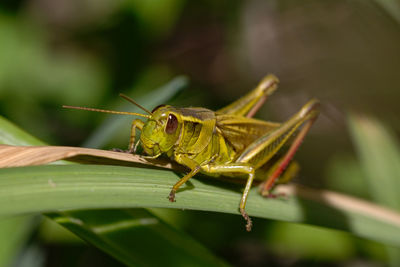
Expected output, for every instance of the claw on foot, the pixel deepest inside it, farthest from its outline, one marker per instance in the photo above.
(249, 223)
(268, 194)
(171, 196)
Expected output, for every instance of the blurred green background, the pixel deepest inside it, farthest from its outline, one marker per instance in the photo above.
(84, 53)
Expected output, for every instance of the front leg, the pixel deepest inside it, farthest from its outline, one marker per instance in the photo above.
(183, 180)
(135, 124)
(194, 169)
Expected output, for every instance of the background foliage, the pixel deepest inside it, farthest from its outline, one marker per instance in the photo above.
(86, 52)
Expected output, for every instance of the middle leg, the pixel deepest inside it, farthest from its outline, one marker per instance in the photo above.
(241, 168)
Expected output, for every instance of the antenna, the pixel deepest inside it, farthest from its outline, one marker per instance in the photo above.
(134, 102)
(108, 111)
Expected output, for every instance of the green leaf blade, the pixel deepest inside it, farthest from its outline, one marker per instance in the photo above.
(51, 188)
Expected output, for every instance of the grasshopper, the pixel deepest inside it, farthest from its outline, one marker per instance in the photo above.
(227, 142)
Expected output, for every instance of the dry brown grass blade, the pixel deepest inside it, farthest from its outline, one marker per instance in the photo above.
(18, 156)
(341, 202)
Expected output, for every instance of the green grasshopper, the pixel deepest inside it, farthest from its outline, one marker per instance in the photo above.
(225, 142)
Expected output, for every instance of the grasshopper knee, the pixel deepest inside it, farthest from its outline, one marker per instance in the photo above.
(311, 107)
(268, 84)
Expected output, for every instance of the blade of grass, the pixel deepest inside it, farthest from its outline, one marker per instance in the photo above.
(379, 153)
(18, 156)
(59, 187)
(135, 236)
(10, 134)
(392, 7)
(14, 231)
(380, 158)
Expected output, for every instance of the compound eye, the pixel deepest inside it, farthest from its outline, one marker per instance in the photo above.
(172, 124)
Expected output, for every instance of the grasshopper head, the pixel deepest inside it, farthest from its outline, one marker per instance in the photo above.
(161, 131)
